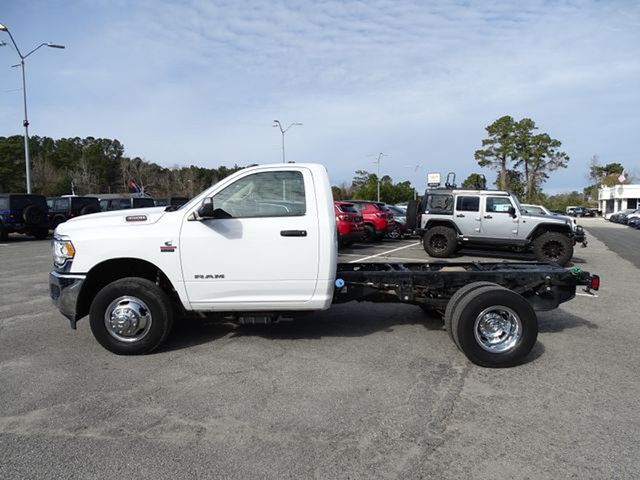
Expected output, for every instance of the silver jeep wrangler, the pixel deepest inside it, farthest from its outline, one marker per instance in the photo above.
(448, 218)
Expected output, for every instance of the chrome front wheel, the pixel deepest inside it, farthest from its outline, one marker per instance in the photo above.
(128, 319)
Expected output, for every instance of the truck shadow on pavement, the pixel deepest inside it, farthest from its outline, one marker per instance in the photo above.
(558, 320)
(342, 321)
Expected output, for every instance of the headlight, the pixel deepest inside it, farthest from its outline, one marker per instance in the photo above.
(62, 251)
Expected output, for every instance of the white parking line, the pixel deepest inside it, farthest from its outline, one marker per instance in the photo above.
(385, 253)
(586, 295)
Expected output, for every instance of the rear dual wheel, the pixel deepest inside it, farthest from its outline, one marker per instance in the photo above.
(493, 326)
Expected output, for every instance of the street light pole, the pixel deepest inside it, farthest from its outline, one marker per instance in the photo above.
(276, 123)
(380, 155)
(25, 123)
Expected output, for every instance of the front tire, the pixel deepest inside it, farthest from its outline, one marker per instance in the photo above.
(131, 316)
(494, 327)
(440, 242)
(553, 247)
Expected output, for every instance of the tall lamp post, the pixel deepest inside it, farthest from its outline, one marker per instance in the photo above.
(27, 156)
(380, 155)
(276, 123)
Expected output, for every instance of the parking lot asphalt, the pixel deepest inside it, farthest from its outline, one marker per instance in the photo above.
(359, 391)
(621, 239)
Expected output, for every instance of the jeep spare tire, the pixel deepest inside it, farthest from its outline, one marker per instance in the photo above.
(553, 247)
(87, 209)
(440, 242)
(32, 215)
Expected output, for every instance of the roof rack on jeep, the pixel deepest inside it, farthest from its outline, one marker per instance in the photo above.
(451, 180)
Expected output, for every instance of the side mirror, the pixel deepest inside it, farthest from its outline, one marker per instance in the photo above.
(206, 210)
(512, 212)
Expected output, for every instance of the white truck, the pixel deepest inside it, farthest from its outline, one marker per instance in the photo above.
(261, 245)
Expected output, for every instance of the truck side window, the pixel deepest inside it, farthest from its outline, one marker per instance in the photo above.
(498, 204)
(467, 204)
(264, 194)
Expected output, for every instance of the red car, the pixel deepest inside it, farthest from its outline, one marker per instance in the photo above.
(377, 219)
(349, 223)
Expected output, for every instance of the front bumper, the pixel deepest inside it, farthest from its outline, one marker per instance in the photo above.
(65, 289)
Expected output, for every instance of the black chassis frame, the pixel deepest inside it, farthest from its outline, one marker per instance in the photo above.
(543, 285)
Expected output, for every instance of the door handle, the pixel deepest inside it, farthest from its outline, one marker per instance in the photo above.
(460, 215)
(488, 216)
(293, 233)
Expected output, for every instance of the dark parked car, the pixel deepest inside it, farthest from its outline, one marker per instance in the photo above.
(170, 201)
(121, 203)
(62, 209)
(398, 228)
(582, 212)
(634, 222)
(23, 213)
(621, 216)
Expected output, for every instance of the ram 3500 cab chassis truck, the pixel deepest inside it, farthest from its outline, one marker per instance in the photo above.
(261, 245)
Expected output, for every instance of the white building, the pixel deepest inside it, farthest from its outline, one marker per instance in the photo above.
(616, 198)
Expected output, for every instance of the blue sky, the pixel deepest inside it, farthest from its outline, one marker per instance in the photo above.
(200, 81)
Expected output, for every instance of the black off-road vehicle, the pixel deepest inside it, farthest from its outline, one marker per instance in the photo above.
(62, 209)
(23, 213)
(108, 203)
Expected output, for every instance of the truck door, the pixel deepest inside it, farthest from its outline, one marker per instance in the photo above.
(262, 249)
(467, 215)
(496, 220)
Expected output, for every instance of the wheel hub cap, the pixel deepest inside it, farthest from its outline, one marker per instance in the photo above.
(128, 319)
(497, 329)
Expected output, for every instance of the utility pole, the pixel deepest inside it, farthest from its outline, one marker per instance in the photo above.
(380, 155)
(25, 122)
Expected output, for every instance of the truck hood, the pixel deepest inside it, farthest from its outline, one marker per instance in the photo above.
(115, 218)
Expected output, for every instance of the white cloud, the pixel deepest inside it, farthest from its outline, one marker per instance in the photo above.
(199, 81)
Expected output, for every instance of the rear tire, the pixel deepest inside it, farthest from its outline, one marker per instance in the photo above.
(4, 235)
(455, 299)
(553, 247)
(412, 215)
(440, 242)
(369, 234)
(131, 316)
(495, 327)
